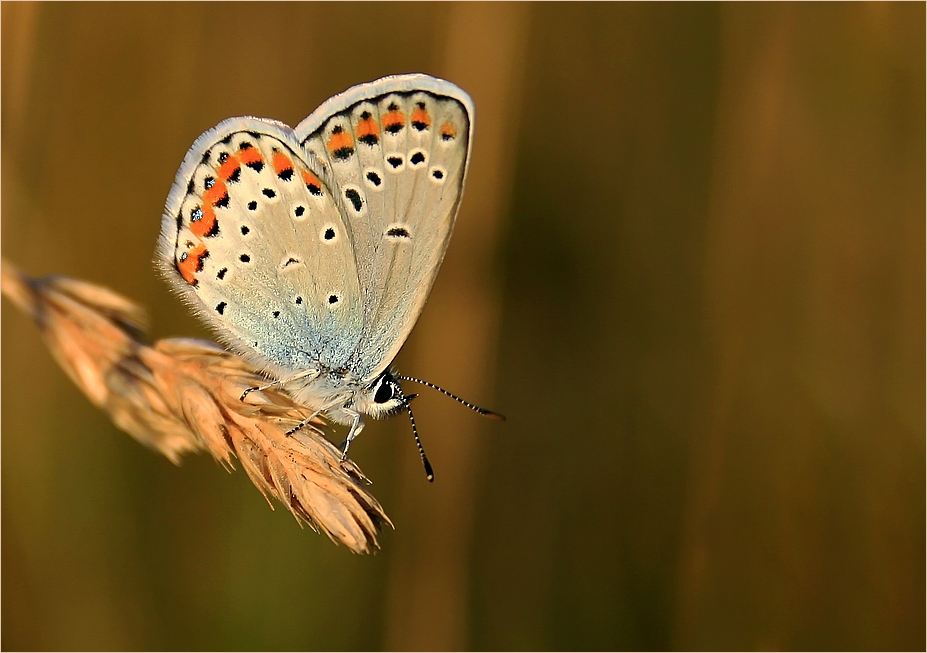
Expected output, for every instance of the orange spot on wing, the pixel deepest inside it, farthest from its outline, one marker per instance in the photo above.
(205, 225)
(227, 169)
(311, 179)
(420, 117)
(448, 131)
(367, 127)
(339, 142)
(192, 262)
(216, 193)
(393, 121)
(250, 155)
(312, 183)
(281, 162)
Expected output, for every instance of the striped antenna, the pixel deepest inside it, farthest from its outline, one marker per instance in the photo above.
(429, 473)
(481, 411)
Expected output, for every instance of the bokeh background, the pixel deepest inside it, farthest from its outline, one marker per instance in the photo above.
(689, 267)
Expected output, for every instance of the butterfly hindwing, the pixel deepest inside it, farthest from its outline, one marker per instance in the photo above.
(255, 241)
(397, 152)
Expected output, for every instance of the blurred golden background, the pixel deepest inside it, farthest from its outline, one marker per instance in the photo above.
(689, 268)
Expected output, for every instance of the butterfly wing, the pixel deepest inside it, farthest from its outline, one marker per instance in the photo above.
(397, 151)
(253, 238)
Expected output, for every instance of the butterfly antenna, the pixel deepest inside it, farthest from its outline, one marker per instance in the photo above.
(429, 473)
(481, 411)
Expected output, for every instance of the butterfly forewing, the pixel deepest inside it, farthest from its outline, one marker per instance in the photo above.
(398, 159)
(255, 239)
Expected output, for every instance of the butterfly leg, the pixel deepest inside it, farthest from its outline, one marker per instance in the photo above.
(356, 427)
(302, 423)
(261, 388)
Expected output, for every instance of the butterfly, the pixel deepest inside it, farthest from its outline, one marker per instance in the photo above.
(312, 251)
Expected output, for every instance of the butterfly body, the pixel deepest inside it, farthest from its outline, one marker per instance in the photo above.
(311, 251)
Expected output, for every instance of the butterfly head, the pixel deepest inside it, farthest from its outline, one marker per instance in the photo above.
(383, 397)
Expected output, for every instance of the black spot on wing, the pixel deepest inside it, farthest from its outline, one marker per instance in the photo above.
(398, 232)
(343, 153)
(354, 198)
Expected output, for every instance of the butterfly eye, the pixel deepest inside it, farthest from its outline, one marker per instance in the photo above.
(384, 393)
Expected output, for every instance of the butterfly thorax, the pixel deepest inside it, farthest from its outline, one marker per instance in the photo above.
(340, 395)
